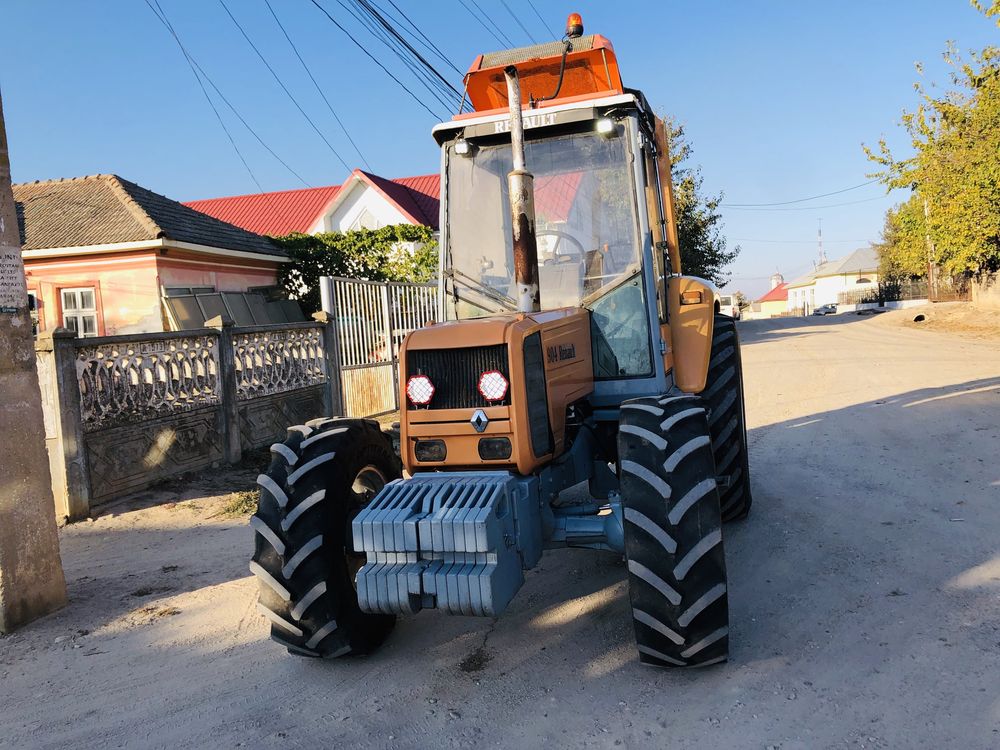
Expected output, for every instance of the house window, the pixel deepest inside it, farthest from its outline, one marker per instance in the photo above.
(33, 312)
(366, 220)
(80, 311)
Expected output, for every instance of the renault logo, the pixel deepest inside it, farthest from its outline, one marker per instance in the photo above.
(479, 420)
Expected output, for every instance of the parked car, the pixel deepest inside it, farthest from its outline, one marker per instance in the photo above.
(825, 310)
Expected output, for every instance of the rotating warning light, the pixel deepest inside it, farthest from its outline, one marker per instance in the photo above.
(493, 385)
(420, 390)
(574, 26)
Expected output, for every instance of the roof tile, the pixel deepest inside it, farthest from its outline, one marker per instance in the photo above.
(104, 209)
(276, 214)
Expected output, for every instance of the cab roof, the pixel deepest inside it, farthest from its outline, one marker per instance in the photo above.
(591, 73)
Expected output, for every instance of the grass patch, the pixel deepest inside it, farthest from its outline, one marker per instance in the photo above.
(240, 504)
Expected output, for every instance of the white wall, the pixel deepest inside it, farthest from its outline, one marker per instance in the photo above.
(362, 204)
(828, 287)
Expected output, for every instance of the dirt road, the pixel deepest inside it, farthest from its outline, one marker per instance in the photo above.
(864, 589)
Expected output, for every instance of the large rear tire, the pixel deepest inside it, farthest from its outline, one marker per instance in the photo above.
(319, 478)
(673, 532)
(727, 419)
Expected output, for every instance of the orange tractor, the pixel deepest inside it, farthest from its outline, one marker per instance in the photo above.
(571, 350)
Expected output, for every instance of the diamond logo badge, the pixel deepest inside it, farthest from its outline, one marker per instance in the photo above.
(479, 420)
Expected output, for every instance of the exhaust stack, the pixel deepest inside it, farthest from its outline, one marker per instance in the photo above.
(520, 184)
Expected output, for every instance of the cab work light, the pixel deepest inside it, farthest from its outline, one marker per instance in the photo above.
(691, 298)
(420, 390)
(493, 385)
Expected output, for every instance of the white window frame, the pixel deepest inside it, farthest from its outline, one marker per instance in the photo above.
(79, 313)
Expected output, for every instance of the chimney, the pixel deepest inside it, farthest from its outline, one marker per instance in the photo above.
(776, 279)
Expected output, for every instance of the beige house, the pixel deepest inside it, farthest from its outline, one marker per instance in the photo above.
(857, 271)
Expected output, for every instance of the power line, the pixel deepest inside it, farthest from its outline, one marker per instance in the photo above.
(798, 200)
(518, 22)
(544, 25)
(375, 60)
(284, 87)
(427, 42)
(799, 242)
(196, 70)
(380, 19)
(505, 42)
(433, 85)
(316, 84)
(808, 208)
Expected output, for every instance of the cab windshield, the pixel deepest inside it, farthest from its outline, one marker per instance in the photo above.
(584, 223)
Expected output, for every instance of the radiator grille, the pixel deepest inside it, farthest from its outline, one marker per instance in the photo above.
(455, 374)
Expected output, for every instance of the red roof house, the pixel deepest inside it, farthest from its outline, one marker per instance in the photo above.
(778, 294)
(364, 200)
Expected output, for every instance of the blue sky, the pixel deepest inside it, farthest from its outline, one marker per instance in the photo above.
(776, 97)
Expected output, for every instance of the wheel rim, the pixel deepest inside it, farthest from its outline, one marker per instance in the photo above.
(368, 482)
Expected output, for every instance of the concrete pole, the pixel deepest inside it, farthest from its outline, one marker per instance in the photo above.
(31, 574)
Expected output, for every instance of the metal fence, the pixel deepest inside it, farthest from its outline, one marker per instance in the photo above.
(372, 319)
(885, 291)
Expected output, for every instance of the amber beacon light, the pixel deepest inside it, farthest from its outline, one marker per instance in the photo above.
(574, 26)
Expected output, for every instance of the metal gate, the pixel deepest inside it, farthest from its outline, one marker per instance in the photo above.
(372, 318)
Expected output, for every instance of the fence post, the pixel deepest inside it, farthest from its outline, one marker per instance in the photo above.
(333, 396)
(227, 378)
(331, 343)
(61, 399)
(390, 344)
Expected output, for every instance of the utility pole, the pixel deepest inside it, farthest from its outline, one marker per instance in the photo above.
(31, 574)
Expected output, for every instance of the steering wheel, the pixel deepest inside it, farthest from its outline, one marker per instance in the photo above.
(563, 236)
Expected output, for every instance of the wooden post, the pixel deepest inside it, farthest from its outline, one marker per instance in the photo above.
(32, 583)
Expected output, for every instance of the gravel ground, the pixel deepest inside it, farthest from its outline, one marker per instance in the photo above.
(864, 593)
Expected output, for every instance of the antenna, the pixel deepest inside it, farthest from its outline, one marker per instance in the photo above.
(822, 255)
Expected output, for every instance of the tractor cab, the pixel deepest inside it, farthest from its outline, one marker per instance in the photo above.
(589, 149)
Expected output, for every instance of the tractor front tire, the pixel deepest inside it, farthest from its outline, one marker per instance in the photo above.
(673, 532)
(319, 478)
(727, 419)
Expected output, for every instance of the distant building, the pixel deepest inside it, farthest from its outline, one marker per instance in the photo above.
(363, 201)
(771, 305)
(105, 256)
(857, 271)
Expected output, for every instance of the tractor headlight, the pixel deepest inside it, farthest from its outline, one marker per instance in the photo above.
(493, 385)
(420, 390)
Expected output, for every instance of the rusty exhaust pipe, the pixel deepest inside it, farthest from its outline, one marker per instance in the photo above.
(520, 185)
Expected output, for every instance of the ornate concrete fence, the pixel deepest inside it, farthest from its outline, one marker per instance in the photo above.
(123, 412)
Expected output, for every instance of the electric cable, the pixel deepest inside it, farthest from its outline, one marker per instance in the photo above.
(494, 30)
(428, 44)
(374, 59)
(284, 87)
(806, 208)
(436, 84)
(319, 89)
(195, 70)
(539, 15)
(373, 11)
(798, 200)
(518, 22)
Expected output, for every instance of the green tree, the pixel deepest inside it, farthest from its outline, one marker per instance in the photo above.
(903, 249)
(383, 254)
(955, 167)
(704, 250)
